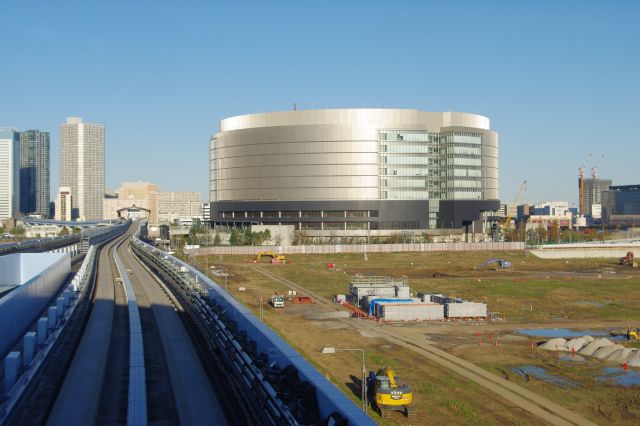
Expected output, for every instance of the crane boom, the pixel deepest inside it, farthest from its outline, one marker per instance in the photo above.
(594, 169)
(581, 181)
(507, 220)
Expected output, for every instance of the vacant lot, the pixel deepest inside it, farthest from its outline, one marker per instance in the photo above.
(579, 294)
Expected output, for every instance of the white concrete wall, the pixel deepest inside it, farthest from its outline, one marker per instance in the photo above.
(584, 251)
(40, 275)
(360, 248)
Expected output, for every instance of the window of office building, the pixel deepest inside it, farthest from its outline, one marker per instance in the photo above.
(356, 225)
(311, 214)
(290, 214)
(334, 226)
(333, 213)
(357, 213)
(316, 226)
(409, 164)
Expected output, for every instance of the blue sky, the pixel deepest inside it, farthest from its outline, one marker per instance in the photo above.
(558, 79)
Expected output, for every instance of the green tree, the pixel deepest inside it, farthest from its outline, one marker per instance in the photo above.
(554, 232)
(216, 240)
(235, 239)
(18, 231)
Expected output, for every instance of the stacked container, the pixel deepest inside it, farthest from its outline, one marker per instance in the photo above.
(414, 311)
(465, 309)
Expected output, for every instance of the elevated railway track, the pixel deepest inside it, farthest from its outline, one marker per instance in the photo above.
(144, 346)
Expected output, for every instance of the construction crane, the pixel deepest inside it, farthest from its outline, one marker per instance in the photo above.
(507, 220)
(581, 181)
(594, 169)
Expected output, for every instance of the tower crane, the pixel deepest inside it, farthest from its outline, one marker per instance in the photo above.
(594, 169)
(507, 220)
(581, 181)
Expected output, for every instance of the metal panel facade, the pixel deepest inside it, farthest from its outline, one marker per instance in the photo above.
(346, 155)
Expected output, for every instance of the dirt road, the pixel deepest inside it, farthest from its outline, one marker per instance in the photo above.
(541, 407)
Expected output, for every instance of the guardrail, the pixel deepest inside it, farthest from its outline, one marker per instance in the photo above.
(20, 366)
(92, 236)
(281, 385)
(137, 396)
(23, 364)
(40, 244)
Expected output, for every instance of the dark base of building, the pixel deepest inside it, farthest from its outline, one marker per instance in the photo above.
(338, 215)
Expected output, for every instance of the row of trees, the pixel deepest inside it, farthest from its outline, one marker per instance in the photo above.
(554, 234)
(247, 238)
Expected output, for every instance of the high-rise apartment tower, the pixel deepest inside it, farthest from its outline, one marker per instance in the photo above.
(34, 172)
(82, 166)
(9, 173)
(593, 189)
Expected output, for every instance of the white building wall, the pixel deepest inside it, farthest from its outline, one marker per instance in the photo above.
(173, 205)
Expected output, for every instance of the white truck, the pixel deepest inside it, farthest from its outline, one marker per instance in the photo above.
(277, 301)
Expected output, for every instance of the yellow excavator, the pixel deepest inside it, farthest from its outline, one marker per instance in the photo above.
(388, 394)
(279, 258)
(630, 334)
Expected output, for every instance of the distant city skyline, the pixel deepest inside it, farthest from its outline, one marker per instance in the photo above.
(557, 79)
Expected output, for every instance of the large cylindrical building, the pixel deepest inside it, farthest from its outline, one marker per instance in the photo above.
(350, 169)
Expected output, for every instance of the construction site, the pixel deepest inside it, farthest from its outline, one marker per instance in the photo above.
(468, 338)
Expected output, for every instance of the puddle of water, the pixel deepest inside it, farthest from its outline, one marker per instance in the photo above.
(570, 357)
(559, 332)
(618, 376)
(540, 373)
(619, 338)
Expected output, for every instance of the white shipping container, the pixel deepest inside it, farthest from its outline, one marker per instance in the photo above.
(410, 311)
(403, 292)
(465, 310)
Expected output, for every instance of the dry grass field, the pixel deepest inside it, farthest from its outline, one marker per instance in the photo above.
(577, 294)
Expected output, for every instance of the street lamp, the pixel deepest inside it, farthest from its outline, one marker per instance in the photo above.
(261, 305)
(332, 350)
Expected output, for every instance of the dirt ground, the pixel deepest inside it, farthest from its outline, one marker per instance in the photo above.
(596, 295)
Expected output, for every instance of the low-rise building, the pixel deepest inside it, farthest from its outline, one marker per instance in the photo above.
(139, 194)
(174, 205)
(545, 214)
(63, 204)
(621, 205)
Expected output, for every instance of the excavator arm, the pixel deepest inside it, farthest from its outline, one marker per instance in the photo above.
(392, 377)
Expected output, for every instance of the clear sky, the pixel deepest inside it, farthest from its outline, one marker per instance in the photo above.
(558, 79)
